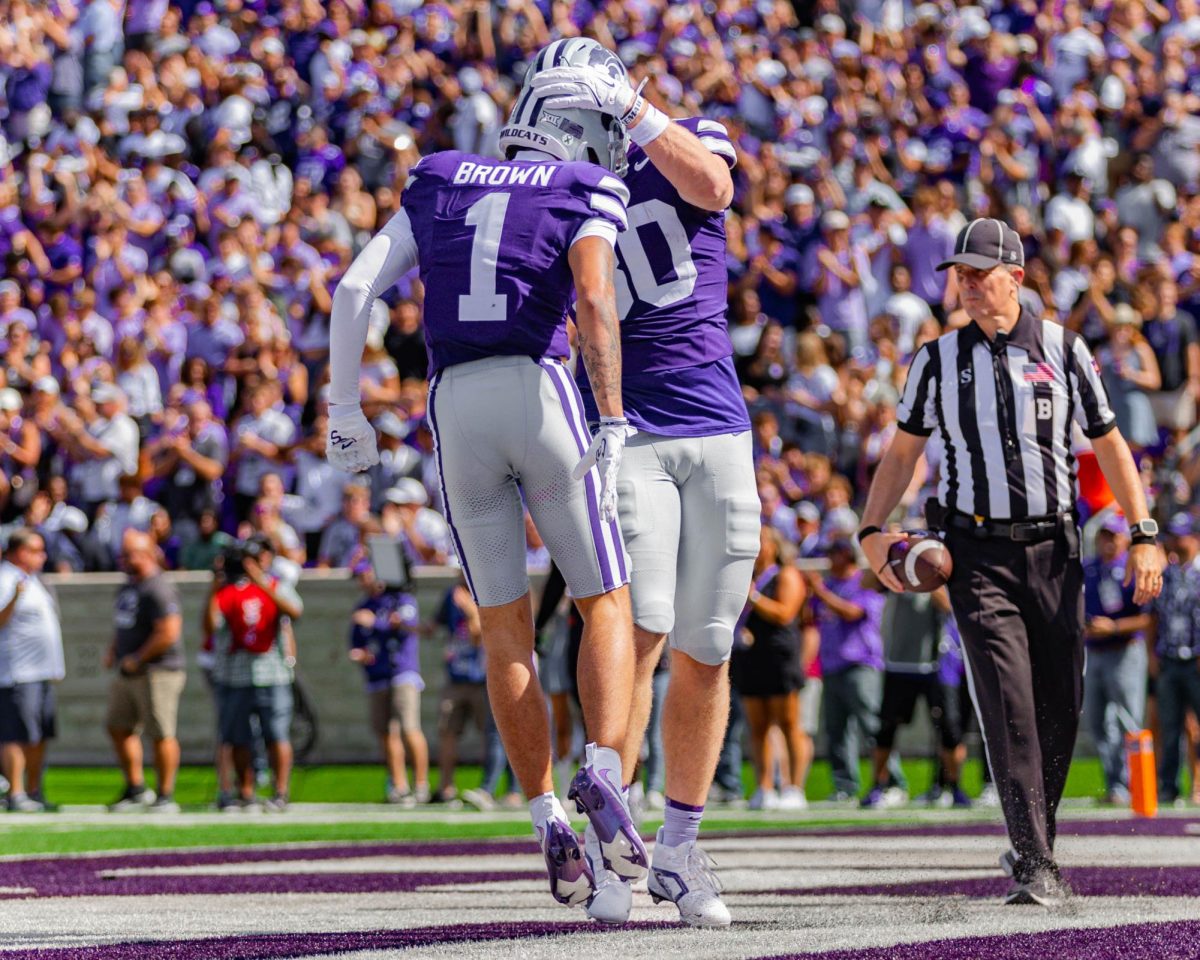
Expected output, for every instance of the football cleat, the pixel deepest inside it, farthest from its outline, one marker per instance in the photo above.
(570, 877)
(613, 899)
(684, 875)
(621, 849)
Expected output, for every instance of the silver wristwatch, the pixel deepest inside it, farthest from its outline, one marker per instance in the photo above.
(1144, 531)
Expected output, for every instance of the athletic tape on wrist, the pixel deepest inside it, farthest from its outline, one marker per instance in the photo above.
(650, 127)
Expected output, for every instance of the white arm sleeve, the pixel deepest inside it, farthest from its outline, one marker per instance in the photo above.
(597, 227)
(383, 261)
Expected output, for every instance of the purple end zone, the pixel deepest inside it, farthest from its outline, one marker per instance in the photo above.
(1179, 940)
(92, 876)
(272, 946)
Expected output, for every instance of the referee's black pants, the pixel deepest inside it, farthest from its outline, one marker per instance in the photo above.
(1019, 609)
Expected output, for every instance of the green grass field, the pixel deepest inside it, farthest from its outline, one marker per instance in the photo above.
(74, 786)
(197, 786)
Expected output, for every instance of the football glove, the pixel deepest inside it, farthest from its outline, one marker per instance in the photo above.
(350, 443)
(585, 88)
(605, 455)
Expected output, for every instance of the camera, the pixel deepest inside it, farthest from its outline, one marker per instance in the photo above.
(232, 558)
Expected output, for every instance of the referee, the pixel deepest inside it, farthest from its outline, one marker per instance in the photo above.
(1000, 396)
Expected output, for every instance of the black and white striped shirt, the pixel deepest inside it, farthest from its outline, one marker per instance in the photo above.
(1003, 412)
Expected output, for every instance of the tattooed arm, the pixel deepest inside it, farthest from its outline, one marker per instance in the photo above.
(592, 262)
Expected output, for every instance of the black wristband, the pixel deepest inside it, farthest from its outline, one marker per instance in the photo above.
(1142, 539)
(867, 532)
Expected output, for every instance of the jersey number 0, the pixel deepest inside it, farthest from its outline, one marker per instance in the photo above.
(637, 261)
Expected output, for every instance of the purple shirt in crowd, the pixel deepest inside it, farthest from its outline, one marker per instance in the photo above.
(493, 238)
(845, 644)
(928, 245)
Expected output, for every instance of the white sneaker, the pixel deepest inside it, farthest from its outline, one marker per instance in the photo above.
(636, 801)
(655, 800)
(613, 898)
(684, 875)
(479, 799)
(894, 797)
(764, 800)
(988, 796)
(793, 798)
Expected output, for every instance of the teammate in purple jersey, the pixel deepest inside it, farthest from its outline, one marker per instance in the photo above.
(688, 502)
(504, 248)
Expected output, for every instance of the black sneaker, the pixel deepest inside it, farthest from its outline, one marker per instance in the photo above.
(164, 804)
(1044, 887)
(41, 798)
(277, 803)
(133, 800)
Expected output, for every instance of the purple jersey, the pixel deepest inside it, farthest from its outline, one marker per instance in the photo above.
(492, 239)
(677, 377)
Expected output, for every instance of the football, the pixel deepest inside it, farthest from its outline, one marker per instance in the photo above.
(921, 563)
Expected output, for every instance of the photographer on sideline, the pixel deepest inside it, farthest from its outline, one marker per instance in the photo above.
(245, 612)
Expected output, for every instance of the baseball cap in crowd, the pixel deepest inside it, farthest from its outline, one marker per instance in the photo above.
(835, 220)
(986, 243)
(831, 23)
(9, 286)
(107, 393)
(10, 400)
(47, 385)
(835, 542)
(390, 424)
(1115, 524)
(807, 512)
(798, 193)
(407, 490)
(1180, 525)
(927, 13)
(72, 519)
(1125, 316)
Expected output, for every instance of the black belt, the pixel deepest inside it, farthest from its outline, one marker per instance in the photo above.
(1033, 530)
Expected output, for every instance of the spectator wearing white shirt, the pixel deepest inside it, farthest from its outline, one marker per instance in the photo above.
(1071, 212)
(259, 441)
(138, 378)
(318, 497)
(425, 532)
(103, 440)
(31, 661)
(1145, 204)
(103, 39)
(476, 121)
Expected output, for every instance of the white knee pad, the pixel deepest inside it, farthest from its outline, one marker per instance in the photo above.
(710, 643)
(654, 615)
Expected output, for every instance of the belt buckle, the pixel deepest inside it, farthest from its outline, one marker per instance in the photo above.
(1022, 532)
(980, 530)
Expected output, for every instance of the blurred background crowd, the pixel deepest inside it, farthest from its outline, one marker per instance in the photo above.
(183, 183)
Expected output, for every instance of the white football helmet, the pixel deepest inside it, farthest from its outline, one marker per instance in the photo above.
(568, 134)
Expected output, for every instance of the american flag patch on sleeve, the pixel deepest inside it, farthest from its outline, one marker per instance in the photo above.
(1038, 373)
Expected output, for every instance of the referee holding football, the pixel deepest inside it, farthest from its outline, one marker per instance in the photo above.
(1001, 395)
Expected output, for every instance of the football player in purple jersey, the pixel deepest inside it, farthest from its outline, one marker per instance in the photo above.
(504, 248)
(688, 502)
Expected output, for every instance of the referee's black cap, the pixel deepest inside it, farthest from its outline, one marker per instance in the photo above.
(986, 243)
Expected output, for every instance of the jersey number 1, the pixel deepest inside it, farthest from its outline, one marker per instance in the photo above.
(482, 304)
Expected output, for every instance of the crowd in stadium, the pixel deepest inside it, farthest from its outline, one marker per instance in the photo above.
(182, 184)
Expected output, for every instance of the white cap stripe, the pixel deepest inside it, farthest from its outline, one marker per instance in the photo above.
(967, 235)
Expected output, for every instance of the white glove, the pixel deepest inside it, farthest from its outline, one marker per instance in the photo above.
(350, 444)
(605, 454)
(585, 88)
